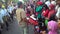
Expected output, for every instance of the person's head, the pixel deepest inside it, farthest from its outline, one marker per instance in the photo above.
(20, 4)
(31, 11)
(51, 6)
(45, 7)
(52, 26)
(33, 2)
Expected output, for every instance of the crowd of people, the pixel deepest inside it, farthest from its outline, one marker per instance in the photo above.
(46, 13)
(6, 15)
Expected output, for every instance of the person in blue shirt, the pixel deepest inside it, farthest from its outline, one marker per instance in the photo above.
(10, 10)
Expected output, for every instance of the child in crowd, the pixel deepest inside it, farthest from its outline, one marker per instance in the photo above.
(52, 25)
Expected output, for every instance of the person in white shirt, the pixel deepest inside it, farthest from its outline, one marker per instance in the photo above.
(58, 13)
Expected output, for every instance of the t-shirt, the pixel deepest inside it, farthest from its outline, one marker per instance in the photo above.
(51, 12)
(20, 14)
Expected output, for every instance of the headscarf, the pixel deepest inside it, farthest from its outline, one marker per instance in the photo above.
(52, 27)
(39, 3)
(51, 6)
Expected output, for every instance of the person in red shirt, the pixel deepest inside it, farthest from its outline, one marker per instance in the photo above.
(45, 11)
(51, 11)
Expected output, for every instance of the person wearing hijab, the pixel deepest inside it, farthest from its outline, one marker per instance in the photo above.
(51, 10)
(52, 25)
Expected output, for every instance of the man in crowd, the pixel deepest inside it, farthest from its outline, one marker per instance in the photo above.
(21, 18)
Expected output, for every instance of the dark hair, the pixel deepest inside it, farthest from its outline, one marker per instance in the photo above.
(53, 17)
(46, 7)
(19, 4)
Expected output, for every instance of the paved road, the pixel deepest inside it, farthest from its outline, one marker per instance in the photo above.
(14, 29)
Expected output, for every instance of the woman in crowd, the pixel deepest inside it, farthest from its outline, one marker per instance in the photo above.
(51, 10)
(52, 25)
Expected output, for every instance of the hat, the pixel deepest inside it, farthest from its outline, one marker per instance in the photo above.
(39, 3)
(53, 2)
(52, 25)
(47, 3)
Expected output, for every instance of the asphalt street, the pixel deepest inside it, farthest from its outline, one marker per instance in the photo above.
(15, 29)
